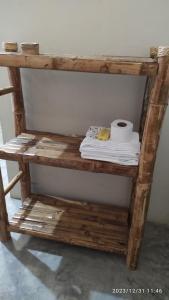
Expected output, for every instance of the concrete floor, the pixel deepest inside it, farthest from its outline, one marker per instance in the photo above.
(32, 268)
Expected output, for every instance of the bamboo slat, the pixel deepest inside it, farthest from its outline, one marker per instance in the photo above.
(120, 214)
(13, 182)
(57, 219)
(59, 151)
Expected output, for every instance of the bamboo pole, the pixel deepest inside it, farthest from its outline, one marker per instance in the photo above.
(153, 52)
(20, 124)
(155, 114)
(13, 182)
(96, 64)
(4, 234)
(19, 114)
(6, 91)
(30, 48)
(148, 88)
(10, 46)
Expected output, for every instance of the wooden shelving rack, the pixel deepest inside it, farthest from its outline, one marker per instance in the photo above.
(98, 226)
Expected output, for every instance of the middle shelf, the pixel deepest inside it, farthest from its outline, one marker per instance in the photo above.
(58, 151)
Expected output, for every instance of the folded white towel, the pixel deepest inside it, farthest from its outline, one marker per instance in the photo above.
(122, 153)
(120, 161)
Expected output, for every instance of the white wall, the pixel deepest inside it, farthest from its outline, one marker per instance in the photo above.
(70, 102)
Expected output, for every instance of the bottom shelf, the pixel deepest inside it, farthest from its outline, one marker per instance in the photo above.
(96, 226)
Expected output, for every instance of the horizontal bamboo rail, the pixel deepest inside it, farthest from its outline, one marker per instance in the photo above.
(7, 90)
(102, 64)
(13, 182)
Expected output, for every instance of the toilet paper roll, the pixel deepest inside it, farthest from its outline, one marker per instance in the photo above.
(121, 131)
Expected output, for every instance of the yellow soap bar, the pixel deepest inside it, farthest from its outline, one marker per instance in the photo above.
(104, 134)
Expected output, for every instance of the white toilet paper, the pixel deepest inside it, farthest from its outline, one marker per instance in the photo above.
(121, 131)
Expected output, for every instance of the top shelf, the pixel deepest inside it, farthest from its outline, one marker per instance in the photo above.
(98, 64)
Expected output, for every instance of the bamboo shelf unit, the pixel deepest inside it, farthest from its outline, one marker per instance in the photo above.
(98, 226)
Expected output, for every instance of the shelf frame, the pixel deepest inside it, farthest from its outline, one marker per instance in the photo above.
(155, 101)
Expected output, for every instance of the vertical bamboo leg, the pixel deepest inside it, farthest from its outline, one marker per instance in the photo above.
(148, 88)
(132, 201)
(154, 117)
(20, 126)
(19, 117)
(4, 233)
(25, 180)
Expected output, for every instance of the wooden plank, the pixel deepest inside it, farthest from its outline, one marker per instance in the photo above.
(59, 151)
(57, 219)
(6, 91)
(155, 114)
(101, 64)
(13, 182)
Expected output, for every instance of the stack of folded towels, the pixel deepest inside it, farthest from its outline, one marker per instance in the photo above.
(117, 148)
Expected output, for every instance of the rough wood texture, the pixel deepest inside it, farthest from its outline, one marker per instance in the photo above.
(153, 52)
(156, 110)
(30, 48)
(18, 104)
(13, 182)
(20, 125)
(10, 46)
(148, 88)
(60, 151)
(159, 94)
(84, 224)
(4, 234)
(102, 64)
(6, 90)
